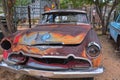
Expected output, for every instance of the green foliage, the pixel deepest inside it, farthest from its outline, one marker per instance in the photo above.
(75, 3)
(118, 9)
(22, 2)
(63, 3)
(102, 3)
(79, 3)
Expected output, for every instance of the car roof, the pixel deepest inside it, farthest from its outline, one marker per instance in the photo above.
(71, 10)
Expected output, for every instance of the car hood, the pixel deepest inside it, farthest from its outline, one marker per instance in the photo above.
(60, 40)
(54, 34)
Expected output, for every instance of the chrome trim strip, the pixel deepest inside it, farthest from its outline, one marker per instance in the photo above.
(54, 74)
(94, 43)
(40, 66)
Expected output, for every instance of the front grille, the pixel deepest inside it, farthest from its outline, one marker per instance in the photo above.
(59, 62)
(69, 62)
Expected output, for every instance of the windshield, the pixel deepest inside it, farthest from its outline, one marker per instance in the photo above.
(64, 18)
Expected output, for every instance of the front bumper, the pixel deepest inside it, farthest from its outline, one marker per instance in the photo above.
(53, 74)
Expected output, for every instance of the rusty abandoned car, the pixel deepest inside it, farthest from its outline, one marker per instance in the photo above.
(62, 45)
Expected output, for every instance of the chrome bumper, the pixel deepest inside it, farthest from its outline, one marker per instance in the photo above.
(53, 74)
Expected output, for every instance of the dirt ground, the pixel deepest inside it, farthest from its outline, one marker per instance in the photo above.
(111, 62)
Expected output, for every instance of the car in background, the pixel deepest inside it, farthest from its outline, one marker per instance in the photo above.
(114, 31)
(63, 45)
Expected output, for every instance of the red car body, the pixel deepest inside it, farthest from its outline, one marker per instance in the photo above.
(55, 49)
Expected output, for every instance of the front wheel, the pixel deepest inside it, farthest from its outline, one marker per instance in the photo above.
(118, 43)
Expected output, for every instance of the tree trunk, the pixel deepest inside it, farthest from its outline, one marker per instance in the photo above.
(57, 4)
(4, 30)
(104, 30)
(104, 27)
(8, 10)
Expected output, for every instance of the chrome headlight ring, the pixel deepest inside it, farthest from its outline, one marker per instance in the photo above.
(93, 50)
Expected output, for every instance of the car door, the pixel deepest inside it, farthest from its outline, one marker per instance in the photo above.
(115, 28)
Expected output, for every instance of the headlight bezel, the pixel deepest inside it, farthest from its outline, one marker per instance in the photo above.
(6, 44)
(94, 47)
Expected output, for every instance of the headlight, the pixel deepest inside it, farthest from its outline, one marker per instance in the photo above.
(93, 50)
(6, 44)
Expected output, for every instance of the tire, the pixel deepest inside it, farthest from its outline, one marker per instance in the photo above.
(118, 42)
(88, 78)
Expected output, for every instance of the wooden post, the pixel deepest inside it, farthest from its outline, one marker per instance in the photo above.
(29, 16)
